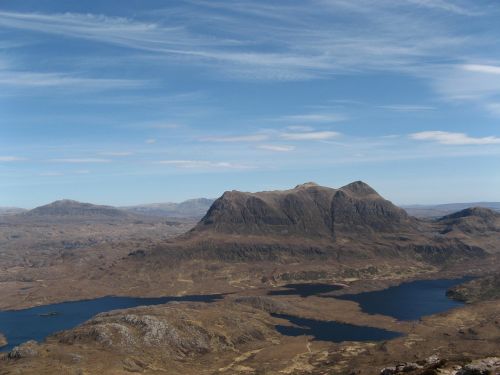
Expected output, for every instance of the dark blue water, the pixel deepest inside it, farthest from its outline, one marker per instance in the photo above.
(409, 301)
(39, 322)
(332, 331)
(304, 290)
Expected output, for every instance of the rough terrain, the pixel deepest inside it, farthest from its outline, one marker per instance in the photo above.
(247, 245)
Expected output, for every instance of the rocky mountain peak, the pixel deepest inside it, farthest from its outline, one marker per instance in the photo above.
(306, 185)
(360, 188)
(309, 210)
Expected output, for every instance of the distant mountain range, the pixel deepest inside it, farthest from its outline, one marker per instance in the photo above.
(192, 208)
(198, 207)
(11, 210)
(67, 208)
(439, 210)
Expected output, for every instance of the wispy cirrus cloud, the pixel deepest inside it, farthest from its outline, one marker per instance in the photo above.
(8, 159)
(14, 78)
(309, 41)
(310, 136)
(237, 138)
(201, 164)
(276, 148)
(80, 160)
(407, 108)
(314, 118)
(479, 68)
(451, 138)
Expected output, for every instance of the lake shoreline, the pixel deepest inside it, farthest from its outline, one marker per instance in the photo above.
(3, 340)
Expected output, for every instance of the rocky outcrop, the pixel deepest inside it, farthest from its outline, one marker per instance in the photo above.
(435, 365)
(27, 350)
(172, 331)
(484, 366)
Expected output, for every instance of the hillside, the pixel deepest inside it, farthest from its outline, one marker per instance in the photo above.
(473, 221)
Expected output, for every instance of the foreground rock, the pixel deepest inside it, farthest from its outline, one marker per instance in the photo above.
(435, 365)
(169, 339)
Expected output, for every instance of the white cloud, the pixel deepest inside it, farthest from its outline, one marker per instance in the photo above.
(200, 164)
(10, 159)
(80, 160)
(315, 117)
(238, 138)
(150, 141)
(276, 148)
(450, 138)
(310, 136)
(486, 69)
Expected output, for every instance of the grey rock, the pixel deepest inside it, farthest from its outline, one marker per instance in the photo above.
(27, 350)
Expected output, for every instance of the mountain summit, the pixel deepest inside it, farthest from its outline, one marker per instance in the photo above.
(308, 210)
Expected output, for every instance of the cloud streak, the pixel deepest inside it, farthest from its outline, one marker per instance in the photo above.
(276, 148)
(310, 136)
(238, 138)
(9, 159)
(201, 164)
(309, 40)
(80, 160)
(451, 138)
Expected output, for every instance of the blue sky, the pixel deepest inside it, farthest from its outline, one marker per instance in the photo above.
(133, 101)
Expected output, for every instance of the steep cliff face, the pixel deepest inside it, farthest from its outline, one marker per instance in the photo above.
(308, 210)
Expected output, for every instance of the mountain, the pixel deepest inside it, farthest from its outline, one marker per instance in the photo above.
(308, 210)
(192, 208)
(71, 208)
(439, 210)
(311, 222)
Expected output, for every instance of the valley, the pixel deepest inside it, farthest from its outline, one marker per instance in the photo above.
(286, 264)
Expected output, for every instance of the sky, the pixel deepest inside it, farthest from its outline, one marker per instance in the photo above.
(140, 101)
